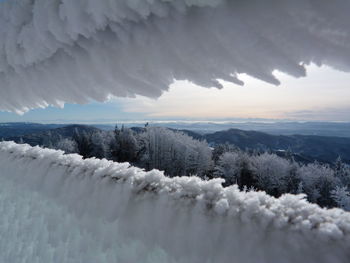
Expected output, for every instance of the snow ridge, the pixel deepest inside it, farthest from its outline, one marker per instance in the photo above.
(187, 219)
(56, 51)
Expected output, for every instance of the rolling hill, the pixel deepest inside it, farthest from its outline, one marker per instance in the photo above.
(306, 148)
(320, 148)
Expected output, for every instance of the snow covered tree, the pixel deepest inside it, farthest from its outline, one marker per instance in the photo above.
(220, 149)
(318, 182)
(235, 166)
(342, 171)
(292, 179)
(101, 142)
(229, 167)
(174, 152)
(67, 145)
(341, 196)
(84, 144)
(270, 172)
(126, 145)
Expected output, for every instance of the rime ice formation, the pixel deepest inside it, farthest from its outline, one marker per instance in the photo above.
(56, 51)
(60, 208)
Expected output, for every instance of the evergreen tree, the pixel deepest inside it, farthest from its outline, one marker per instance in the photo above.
(84, 143)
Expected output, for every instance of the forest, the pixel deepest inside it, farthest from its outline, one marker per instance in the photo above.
(178, 154)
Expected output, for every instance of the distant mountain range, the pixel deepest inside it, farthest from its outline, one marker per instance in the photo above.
(320, 148)
(306, 148)
(332, 129)
(23, 128)
(51, 136)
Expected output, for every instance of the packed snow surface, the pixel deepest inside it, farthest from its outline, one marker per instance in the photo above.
(56, 51)
(61, 208)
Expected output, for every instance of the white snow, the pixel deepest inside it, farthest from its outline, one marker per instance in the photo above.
(60, 208)
(56, 51)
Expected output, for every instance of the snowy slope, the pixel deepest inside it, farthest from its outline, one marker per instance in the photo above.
(60, 208)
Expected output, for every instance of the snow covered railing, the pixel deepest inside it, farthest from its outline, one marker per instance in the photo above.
(100, 211)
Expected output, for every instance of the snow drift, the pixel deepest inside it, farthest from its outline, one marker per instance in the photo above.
(60, 208)
(56, 51)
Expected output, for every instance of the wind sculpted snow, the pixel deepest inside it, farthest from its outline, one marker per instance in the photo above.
(56, 51)
(61, 208)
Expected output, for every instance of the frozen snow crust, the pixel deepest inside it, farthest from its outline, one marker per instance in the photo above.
(56, 51)
(60, 208)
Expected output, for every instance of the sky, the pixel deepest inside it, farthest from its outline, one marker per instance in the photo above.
(323, 95)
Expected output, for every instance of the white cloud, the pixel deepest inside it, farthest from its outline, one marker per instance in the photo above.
(324, 89)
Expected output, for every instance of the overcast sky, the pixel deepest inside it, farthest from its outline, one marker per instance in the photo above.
(323, 95)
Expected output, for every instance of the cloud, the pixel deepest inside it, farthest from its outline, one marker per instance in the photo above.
(323, 114)
(56, 51)
(323, 89)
